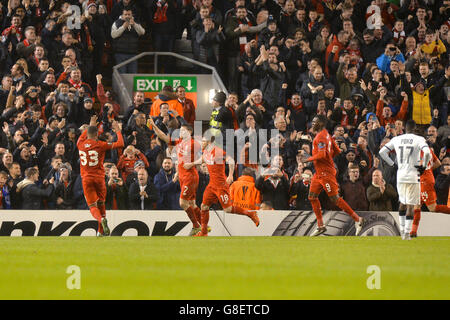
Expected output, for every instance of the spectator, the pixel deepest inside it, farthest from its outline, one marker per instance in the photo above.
(187, 104)
(32, 195)
(300, 183)
(442, 184)
(125, 32)
(5, 193)
(380, 194)
(353, 190)
(64, 188)
(166, 181)
(127, 162)
(142, 194)
(243, 192)
(274, 185)
(116, 192)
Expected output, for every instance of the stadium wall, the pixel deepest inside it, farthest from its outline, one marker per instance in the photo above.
(176, 223)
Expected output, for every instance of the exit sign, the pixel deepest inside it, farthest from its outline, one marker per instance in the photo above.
(156, 83)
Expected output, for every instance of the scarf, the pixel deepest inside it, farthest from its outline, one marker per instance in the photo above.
(398, 35)
(160, 14)
(5, 200)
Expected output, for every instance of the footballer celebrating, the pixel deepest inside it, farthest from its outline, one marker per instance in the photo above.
(92, 154)
(323, 151)
(187, 152)
(218, 188)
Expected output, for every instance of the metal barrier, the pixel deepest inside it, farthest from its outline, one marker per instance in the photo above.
(124, 96)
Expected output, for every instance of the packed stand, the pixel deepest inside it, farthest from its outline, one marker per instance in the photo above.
(368, 66)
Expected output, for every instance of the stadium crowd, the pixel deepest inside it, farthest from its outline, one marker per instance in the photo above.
(368, 66)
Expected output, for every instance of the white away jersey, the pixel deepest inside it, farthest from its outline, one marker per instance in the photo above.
(407, 149)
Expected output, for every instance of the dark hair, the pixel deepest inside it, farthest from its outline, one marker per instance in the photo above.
(30, 172)
(92, 131)
(248, 172)
(410, 125)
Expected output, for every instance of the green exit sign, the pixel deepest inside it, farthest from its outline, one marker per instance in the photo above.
(156, 83)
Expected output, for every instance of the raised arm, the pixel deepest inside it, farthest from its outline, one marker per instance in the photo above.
(164, 137)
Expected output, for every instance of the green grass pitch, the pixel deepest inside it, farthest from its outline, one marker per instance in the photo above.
(224, 268)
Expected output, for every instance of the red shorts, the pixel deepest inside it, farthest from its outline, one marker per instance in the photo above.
(427, 193)
(189, 188)
(327, 183)
(213, 194)
(94, 189)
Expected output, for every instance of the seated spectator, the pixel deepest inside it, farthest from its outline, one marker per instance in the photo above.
(353, 190)
(116, 192)
(142, 194)
(168, 186)
(32, 195)
(380, 194)
(243, 192)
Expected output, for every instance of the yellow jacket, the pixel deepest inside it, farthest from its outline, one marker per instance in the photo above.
(421, 112)
(433, 48)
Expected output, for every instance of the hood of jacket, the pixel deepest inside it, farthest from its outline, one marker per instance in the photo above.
(22, 184)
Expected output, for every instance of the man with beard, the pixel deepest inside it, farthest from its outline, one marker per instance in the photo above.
(166, 181)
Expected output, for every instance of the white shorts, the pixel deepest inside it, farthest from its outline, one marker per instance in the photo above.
(409, 193)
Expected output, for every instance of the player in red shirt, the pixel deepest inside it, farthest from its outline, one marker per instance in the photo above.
(428, 194)
(187, 153)
(323, 152)
(92, 154)
(218, 188)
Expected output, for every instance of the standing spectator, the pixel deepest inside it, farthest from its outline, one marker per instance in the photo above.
(142, 194)
(166, 181)
(209, 39)
(274, 185)
(442, 184)
(64, 188)
(380, 194)
(164, 28)
(187, 104)
(116, 192)
(128, 160)
(125, 32)
(5, 191)
(32, 195)
(353, 190)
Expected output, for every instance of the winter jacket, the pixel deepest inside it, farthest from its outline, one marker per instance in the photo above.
(169, 191)
(32, 195)
(381, 201)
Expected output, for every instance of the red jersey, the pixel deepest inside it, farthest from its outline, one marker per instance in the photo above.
(126, 165)
(323, 151)
(92, 154)
(215, 161)
(186, 153)
(427, 176)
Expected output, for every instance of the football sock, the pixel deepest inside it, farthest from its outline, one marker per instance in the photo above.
(344, 206)
(416, 220)
(315, 204)
(239, 210)
(401, 218)
(205, 220)
(102, 209)
(197, 214)
(97, 215)
(442, 208)
(191, 215)
(408, 224)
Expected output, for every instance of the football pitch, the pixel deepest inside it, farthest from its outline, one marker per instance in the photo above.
(224, 268)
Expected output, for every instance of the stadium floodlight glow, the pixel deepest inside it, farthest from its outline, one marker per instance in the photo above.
(211, 94)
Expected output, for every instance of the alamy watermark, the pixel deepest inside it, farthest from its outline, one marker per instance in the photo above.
(374, 280)
(74, 280)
